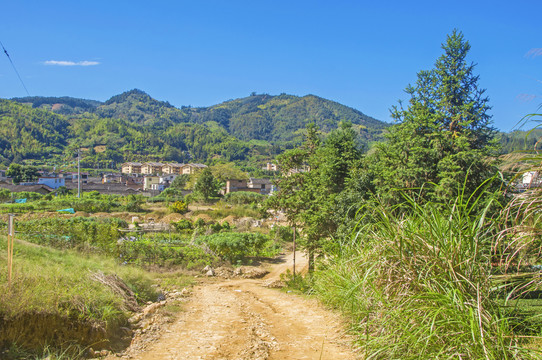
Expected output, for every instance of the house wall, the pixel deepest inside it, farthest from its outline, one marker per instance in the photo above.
(149, 181)
(236, 185)
(53, 183)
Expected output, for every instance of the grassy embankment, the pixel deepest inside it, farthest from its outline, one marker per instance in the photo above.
(63, 299)
(420, 284)
(68, 290)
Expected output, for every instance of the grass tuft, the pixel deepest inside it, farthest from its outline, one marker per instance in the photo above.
(418, 284)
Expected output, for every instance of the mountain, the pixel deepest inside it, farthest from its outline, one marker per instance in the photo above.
(27, 133)
(137, 106)
(133, 126)
(279, 118)
(265, 117)
(61, 105)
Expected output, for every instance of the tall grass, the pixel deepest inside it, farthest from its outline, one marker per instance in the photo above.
(416, 284)
(53, 281)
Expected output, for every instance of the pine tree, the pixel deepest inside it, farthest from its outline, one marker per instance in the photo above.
(312, 177)
(445, 133)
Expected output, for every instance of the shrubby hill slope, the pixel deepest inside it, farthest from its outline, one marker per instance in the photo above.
(134, 126)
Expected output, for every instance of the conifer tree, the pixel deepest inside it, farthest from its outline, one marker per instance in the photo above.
(444, 135)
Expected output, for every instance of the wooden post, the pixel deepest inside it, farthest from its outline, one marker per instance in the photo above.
(11, 236)
(294, 251)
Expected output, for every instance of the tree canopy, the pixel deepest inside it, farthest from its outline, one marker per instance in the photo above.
(444, 135)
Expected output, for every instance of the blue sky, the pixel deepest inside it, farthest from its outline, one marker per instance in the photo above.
(359, 53)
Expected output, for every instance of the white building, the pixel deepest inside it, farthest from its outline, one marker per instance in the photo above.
(52, 182)
(149, 181)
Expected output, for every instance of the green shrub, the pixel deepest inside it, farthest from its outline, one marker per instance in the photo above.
(199, 223)
(171, 192)
(215, 227)
(234, 246)
(243, 197)
(283, 233)
(417, 284)
(132, 206)
(77, 232)
(91, 205)
(27, 195)
(182, 225)
(179, 207)
(153, 252)
(5, 195)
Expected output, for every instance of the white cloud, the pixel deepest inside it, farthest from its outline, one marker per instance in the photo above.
(71, 63)
(534, 52)
(526, 97)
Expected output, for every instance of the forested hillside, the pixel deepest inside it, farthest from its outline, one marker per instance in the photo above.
(134, 126)
(279, 118)
(520, 141)
(62, 105)
(27, 133)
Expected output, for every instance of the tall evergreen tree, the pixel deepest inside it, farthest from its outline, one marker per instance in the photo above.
(312, 177)
(445, 133)
(206, 185)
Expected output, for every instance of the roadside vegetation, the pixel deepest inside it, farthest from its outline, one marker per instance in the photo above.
(79, 277)
(426, 247)
(425, 242)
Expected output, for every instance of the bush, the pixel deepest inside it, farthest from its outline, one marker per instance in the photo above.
(5, 195)
(179, 207)
(153, 252)
(417, 285)
(283, 233)
(182, 225)
(243, 197)
(199, 223)
(132, 206)
(171, 192)
(27, 195)
(92, 205)
(234, 246)
(77, 232)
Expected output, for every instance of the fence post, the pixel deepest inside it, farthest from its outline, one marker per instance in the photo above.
(294, 253)
(11, 236)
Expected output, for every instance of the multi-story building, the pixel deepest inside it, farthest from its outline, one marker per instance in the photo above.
(131, 168)
(174, 168)
(192, 168)
(150, 168)
(52, 182)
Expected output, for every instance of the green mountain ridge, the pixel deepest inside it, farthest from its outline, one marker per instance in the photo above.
(27, 133)
(256, 117)
(133, 126)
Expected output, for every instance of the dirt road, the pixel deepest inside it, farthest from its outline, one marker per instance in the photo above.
(241, 319)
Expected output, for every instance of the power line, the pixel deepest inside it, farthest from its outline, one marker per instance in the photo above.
(14, 68)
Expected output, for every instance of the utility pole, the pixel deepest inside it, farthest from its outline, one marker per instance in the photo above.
(78, 173)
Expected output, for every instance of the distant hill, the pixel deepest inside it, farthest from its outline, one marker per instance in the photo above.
(257, 117)
(27, 133)
(521, 141)
(61, 105)
(279, 118)
(134, 126)
(137, 106)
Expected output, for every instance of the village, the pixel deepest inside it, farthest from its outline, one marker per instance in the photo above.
(147, 179)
